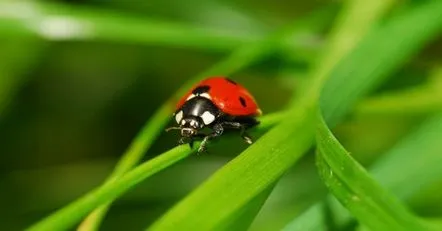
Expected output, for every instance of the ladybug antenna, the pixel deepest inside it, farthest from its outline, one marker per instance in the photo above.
(172, 128)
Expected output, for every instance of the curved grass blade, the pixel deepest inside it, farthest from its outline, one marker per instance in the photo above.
(353, 23)
(314, 219)
(80, 23)
(355, 189)
(358, 73)
(75, 211)
(389, 172)
(369, 64)
(34, 18)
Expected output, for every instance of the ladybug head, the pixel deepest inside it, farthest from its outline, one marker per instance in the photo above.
(193, 115)
(190, 126)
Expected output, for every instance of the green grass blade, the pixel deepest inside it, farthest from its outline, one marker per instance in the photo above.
(352, 24)
(75, 211)
(348, 181)
(33, 18)
(388, 171)
(129, 159)
(357, 191)
(244, 216)
(314, 219)
(84, 23)
(418, 100)
(370, 63)
(236, 61)
(355, 75)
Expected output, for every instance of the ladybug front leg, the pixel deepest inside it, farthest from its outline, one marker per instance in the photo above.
(218, 130)
(190, 140)
(183, 140)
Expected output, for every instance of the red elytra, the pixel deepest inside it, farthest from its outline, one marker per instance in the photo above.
(229, 96)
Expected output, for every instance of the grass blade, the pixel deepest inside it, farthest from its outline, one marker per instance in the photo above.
(396, 41)
(84, 23)
(388, 171)
(33, 18)
(355, 75)
(72, 213)
(311, 220)
(350, 27)
(348, 181)
(357, 191)
(418, 100)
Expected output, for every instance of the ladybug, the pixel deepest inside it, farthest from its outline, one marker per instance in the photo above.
(217, 103)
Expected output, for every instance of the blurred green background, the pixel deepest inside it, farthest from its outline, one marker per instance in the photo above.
(78, 79)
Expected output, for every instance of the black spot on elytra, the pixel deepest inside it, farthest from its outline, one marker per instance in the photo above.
(201, 89)
(231, 81)
(242, 101)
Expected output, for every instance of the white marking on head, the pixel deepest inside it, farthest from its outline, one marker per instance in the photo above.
(205, 95)
(207, 117)
(179, 116)
(183, 122)
(192, 123)
(190, 97)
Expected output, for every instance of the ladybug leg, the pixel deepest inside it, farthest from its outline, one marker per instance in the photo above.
(190, 140)
(182, 140)
(218, 130)
(198, 135)
(191, 143)
(242, 127)
(246, 137)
